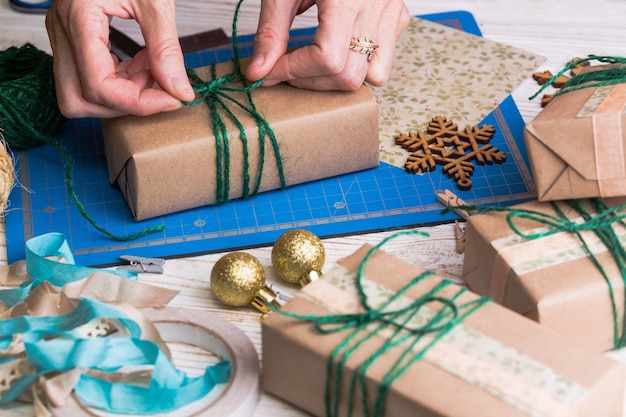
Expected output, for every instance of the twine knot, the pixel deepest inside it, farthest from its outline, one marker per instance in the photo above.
(398, 324)
(602, 220)
(393, 317)
(211, 90)
(208, 90)
(604, 217)
(614, 73)
(220, 93)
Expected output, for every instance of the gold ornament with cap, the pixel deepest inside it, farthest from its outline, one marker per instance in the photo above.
(298, 256)
(238, 279)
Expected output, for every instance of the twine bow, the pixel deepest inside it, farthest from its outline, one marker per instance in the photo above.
(218, 93)
(602, 222)
(372, 322)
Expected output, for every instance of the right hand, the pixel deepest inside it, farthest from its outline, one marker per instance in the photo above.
(92, 82)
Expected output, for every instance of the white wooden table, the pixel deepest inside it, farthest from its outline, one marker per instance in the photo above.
(552, 28)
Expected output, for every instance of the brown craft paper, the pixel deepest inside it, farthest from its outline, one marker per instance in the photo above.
(295, 357)
(166, 162)
(572, 156)
(562, 292)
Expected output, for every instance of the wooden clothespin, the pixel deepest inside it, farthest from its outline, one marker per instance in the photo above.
(451, 200)
(141, 264)
(459, 235)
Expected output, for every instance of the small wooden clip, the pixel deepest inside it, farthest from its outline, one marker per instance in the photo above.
(451, 200)
(459, 233)
(141, 264)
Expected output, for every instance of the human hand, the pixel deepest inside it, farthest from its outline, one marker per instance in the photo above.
(328, 63)
(92, 82)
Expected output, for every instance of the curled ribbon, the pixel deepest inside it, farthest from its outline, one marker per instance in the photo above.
(50, 259)
(48, 328)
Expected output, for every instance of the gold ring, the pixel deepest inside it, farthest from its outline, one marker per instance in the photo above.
(364, 45)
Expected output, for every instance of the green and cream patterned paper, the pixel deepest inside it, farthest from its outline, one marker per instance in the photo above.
(595, 100)
(524, 256)
(443, 71)
(521, 381)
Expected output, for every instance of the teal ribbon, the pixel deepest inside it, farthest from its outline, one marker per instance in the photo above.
(371, 322)
(217, 93)
(41, 266)
(52, 344)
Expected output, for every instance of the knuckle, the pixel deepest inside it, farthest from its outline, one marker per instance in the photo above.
(378, 75)
(404, 20)
(265, 34)
(167, 49)
(71, 109)
(350, 81)
(352, 84)
(90, 95)
(377, 80)
(331, 63)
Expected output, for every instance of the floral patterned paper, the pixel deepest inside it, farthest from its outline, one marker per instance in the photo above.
(443, 71)
(525, 256)
(595, 100)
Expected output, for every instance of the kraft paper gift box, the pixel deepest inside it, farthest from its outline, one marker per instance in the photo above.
(550, 279)
(167, 162)
(576, 144)
(493, 363)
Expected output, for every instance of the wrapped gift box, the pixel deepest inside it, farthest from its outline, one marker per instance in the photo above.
(550, 279)
(167, 162)
(576, 145)
(494, 363)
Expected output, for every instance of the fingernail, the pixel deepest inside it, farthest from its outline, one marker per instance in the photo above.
(268, 82)
(257, 60)
(182, 87)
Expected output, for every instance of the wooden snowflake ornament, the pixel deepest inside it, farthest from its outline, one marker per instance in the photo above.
(444, 144)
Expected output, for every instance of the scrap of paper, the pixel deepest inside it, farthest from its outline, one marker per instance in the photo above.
(444, 71)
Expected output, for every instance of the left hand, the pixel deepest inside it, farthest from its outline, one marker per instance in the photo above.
(328, 63)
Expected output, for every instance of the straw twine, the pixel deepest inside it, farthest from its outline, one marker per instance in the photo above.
(7, 175)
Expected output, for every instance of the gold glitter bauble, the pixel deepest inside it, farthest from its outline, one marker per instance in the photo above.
(236, 278)
(296, 254)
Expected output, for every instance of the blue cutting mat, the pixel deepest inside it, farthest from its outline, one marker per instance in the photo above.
(382, 198)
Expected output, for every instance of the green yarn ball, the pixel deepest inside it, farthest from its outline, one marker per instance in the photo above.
(29, 113)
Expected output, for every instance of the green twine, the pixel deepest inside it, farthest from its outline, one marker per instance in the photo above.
(30, 116)
(589, 79)
(369, 324)
(601, 223)
(216, 93)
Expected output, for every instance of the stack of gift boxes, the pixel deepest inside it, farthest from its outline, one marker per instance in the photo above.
(552, 271)
(377, 336)
(560, 260)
